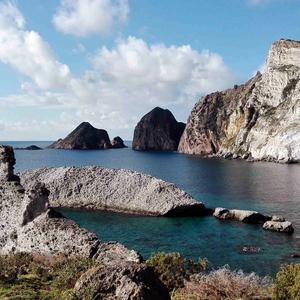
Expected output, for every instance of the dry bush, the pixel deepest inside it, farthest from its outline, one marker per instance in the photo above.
(224, 284)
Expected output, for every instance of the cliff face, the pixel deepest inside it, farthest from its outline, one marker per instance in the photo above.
(259, 120)
(157, 131)
(85, 136)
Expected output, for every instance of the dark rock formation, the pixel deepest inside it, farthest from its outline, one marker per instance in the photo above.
(157, 131)
(31, 147)
(126, 281)
(258, 120)
(114, 190)
(117, 142)
(84, 137)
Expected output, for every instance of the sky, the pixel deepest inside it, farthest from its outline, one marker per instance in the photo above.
(109, 62)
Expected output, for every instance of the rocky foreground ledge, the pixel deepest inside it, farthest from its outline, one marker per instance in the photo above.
(28, 224)
(113, 190)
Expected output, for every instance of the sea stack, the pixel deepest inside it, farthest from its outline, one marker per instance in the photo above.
(259, 120)
(158, 130)
(84, 137)
(117, 142)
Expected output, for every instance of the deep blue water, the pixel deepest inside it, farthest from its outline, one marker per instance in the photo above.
(267, 187)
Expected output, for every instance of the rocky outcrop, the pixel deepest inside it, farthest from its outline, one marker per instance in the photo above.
(246, 216)
(84, 137)
(28, 224)
(113, 190)
(117, 142)
(31, 147)
(259, 120)
(126, 281)
(157, 131)
(279, 224)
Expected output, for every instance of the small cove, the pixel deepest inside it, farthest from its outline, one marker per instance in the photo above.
(267, 187)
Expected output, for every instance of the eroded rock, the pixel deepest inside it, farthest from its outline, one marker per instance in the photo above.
(258, 120)
(114, 190)
(279, 226)
(125, 281)
(117, 142)
(246, 216)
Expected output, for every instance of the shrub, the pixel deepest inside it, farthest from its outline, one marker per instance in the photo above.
(11, 266)
(224, 284)
(287, 283)
(173, 269)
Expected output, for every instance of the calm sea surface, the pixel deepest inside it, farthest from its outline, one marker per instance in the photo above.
(266, 187)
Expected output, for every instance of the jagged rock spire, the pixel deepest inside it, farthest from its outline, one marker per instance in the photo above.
(7, 162)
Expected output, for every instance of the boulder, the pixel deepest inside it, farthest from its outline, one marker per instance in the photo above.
(117, 142)
(84, 137)
(113, 190)
(7, 162)
(124, 281)
(246, 216)
(279, 226)
(158, 130)
(258, 120)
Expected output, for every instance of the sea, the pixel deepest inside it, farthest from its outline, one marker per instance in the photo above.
(269, 188)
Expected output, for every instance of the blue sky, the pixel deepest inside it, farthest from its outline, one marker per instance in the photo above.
(110, 61)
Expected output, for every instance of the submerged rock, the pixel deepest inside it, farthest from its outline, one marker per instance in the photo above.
(126, 281)
(258, 120)
(84, 137)
(117, 142)
(246, 216)
(158, 130)
(279, 226)
(114, 190)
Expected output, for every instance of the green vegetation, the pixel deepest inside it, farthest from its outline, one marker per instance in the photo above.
(26, 276)
(287, 283)
(173, 269)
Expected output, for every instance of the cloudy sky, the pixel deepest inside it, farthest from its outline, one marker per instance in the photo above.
(111, 61)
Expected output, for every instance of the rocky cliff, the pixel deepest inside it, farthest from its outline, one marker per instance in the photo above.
(158, 130)
(85, 136)
(113, 190)
(259, 120)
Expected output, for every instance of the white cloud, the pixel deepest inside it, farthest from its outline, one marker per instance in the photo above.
(122, 84)
(86, 17)
(27, 52)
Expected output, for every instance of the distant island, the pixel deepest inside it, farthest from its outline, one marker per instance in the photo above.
(87, 137)
(31, 147)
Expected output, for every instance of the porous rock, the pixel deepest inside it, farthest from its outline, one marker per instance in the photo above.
(27, 224)
(246, 216)
(116, 190)
(279, 226)
(125, 281)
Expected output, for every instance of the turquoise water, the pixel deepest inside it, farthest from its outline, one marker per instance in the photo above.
(266, 187)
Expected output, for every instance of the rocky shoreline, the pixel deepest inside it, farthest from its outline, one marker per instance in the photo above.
(116, 190)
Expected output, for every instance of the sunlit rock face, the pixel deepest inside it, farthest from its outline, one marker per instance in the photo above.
(259, 120)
